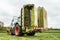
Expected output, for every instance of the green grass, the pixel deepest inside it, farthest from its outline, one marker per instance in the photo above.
(38, 36)
(52, 31)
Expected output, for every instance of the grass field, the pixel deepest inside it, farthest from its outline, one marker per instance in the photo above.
(47, 35)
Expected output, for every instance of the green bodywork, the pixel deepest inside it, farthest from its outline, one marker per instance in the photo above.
(29, 16)
(40, 17)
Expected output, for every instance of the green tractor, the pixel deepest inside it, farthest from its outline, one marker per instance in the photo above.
(24, 24)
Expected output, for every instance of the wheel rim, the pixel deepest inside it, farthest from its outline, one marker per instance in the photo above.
(16, 31)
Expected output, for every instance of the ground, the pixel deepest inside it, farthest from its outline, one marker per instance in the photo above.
(47, 35)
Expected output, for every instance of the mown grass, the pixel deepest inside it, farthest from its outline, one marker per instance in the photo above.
(46, 35)
(52, 31)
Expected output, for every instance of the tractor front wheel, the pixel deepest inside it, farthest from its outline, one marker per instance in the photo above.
(18, 30)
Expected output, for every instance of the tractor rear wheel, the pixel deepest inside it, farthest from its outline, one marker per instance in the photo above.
(31, 33)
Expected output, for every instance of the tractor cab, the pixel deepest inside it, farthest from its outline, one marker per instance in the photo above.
(14, 21)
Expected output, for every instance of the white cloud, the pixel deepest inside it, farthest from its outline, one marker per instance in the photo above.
(53, 10)
(10, 8)
(7, 12)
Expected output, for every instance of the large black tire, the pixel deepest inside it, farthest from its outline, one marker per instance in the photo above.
(12, 32)
(31, 33)
(18, 30)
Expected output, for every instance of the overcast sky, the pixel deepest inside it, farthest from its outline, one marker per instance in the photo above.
(10, 8)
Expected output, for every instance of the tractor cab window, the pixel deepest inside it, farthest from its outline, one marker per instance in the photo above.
(14, 20)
